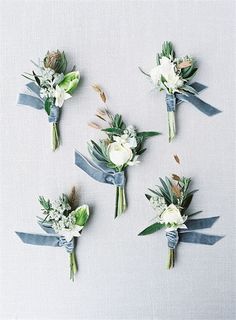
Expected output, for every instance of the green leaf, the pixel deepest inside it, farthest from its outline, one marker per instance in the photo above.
(48, 105)
(118, 122)
(148, 196)
(46, 204)
(138, 153)
(147, 134)
(155, 192)
(36, 78)
(151, 229)
(186, 203)
(113, 130)
(192, 214)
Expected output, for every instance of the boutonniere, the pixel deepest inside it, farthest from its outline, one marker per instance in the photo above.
(121, 148)
(173, 75)
(171, 201)
(50, 86)
(63, 222)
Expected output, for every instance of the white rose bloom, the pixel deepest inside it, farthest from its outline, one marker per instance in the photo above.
(171, 215)
(166, 68)
(119, 155)
(60, 96)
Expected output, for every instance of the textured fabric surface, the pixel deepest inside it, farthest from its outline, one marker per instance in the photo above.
(121, 276)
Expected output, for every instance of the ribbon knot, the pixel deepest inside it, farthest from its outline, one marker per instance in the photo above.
(116, 178)
(99, 171)
(69, 246)
(175, 99)
(54, 114)
(172, 238)
(170, 102)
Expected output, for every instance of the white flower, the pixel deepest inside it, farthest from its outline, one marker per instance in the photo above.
(130, 130)
(119, 154)
(60, 96)
(47, 74)
(158, 203)
(70, 233)
(171, 216)
(167, 69)
(126, 140)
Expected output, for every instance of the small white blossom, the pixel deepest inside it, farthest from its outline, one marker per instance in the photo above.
(60, 96)
(158, 203)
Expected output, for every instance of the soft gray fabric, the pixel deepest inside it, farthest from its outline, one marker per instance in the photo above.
(121, 276)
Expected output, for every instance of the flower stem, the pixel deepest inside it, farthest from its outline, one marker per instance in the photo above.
(55, 137)
(171, 259)
(171, 125)
(121, 204)
(73, 265)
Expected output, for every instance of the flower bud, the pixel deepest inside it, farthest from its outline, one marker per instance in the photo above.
(56, 61)
(70, 81)
(119, 155)
(82, 215)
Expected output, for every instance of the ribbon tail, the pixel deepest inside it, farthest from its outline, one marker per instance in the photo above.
(204, 223)
(89, 168)
(37, 239)
(199, 104)
(31, 86)
(201, 238)
(196, 86)
(31, 101)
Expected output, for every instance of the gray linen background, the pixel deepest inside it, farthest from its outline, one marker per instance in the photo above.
(121, 276)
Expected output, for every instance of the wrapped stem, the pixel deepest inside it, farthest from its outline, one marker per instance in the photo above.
(171, 125)
(171, 259)
(55, 136)
(121, 204)
(73, 265)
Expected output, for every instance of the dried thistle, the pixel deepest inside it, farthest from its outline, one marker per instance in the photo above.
(72, 196)
(98, 89)
(94, 125)
(176, 190)
(56, 60)
(101, 112)
(184, 64)
(176, 158)
(175, 177)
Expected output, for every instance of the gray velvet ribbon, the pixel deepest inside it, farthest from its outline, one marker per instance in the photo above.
(31, 97)
(52, 240)
(173, 99)
(184, 235)
(99, 172)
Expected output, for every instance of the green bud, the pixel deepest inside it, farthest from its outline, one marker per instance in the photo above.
(55, 60)
(70, 81)
(81, 215)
